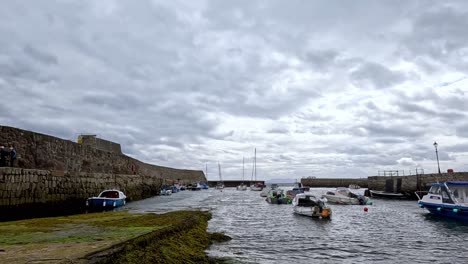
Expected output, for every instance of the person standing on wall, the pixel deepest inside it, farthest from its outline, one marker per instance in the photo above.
(3, 156)
(12, 155)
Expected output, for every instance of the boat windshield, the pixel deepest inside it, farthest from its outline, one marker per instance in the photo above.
(434, 190)
(109, 194)
(460, 193)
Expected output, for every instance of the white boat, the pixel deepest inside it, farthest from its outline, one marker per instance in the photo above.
(447, 200)
(309, 205)
(354, 186)
(343, 195)
(242, 186)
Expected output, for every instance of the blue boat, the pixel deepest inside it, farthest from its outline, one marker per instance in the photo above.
(448, 199)
(107, 199)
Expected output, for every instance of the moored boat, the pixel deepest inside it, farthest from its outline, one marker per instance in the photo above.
(295, 191)
(447, 200)
(387, 195)
(278, 197)
(343, 195)
(107, 199)
(310, 205)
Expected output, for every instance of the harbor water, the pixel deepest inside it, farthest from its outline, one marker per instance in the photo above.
(391, 231)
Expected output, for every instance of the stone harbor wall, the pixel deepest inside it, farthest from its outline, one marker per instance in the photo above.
(39, 151)
(22, 187)
(412, 183)
(333, 182)
(50, 170)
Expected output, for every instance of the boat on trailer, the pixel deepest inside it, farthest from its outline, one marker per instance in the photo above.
(107, 199)
(309, 205)
(447, 199)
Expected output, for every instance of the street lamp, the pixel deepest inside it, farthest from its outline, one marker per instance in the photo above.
(437, 155)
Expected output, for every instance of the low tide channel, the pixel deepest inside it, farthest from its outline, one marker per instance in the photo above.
(390, 232)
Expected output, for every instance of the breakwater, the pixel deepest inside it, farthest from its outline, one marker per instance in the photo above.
(333, 182)
(398, 184)
(53, 172)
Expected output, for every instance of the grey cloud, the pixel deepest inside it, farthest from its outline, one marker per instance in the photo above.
(439, 34)
(376, 75)
(40, 56)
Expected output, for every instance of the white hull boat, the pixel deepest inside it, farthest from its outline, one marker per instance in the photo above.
(309, 205)
(343, 195)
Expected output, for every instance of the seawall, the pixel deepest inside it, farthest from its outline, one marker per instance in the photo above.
(333, 182)
(52, 172)
(404, 184)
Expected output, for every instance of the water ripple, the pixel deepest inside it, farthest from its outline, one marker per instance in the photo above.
(390, 232)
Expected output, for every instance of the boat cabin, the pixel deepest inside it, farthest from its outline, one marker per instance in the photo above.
(451, 192)
(109, 194)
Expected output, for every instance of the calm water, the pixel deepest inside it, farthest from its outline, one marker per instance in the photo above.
(390, 232)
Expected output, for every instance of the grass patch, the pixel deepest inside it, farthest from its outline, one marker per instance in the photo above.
(111, 237)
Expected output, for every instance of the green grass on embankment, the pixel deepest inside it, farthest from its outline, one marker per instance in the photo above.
(112, 237)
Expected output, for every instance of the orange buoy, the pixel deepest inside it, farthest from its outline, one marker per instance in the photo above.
(325, 213)
(366, 209)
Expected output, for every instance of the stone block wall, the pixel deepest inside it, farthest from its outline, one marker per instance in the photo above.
(53, 170)
(23, 187)
(39, 151)
(331, 182)
(414, 182)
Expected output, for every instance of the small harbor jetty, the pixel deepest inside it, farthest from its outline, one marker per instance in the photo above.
(54, 175)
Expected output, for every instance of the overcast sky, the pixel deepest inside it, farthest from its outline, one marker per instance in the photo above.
(320, 88)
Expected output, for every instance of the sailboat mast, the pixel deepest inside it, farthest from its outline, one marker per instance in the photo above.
(206, 164)
(255, 163)
(243, 170)
(219, 169)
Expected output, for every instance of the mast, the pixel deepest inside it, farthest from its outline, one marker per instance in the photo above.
(255, 163)
(206, 171)
(243, 170)
(219, 169)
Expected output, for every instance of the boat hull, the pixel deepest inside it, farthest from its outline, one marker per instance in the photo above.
(274, 200)
(458, 212)
(341, 200)
(313, 211)
(105, 202)
(378, 194)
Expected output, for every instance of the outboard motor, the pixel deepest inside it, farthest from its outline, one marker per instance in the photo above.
(362, 199)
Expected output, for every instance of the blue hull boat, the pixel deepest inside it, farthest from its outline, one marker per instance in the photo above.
(107, 199)
(448, 200)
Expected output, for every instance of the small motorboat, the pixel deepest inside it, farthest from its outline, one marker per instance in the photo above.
(387, 195)
(309, 205)
(343, 195)
(447, 199)
(354, 186)
(107, 199)
(277, 196)
(295, 191)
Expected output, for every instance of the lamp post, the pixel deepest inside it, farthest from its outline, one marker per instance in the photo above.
(437, 155)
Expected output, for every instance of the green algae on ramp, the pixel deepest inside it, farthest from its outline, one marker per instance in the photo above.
(95, 237)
